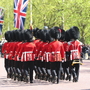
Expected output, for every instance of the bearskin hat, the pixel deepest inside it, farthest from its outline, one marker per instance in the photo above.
(28, 35)
(55, 32)
(17, 35)
(7, 36)
(14, 35)
(62, 38)
(74, 32)
(35, 32)
(67, 36)
(22, 35)
(43, 35)
(39, 34)
(48, 37)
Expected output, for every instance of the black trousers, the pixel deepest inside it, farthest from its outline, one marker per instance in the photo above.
(56, 68)
(48, 68)
(39, 66)
(6, 64)
(74, 69)
(65, 66)
(17, 65)
(28, 68)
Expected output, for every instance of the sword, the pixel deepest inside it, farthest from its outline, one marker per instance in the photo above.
(77, 62)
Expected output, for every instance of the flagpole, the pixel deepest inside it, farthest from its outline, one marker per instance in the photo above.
(63, 15)
(8, 18)
(31, 27)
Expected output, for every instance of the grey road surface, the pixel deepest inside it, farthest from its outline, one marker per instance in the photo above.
(82, 84)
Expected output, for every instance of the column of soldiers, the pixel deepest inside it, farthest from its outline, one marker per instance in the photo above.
(54, 54)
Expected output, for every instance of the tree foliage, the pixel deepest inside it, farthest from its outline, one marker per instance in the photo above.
(62, 13)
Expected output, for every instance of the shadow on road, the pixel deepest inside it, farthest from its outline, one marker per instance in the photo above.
(5, 82)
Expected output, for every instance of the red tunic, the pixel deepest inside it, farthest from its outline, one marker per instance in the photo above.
(7, 50)
(75, 49)
(4, 48)
(15, 48)
(57, 51)
(66, 49)
(36, 41)
(10, 50)
(46, 53)
(19, 51)
(41, 50)
(38, 44)
(28, 51)
(66, 46)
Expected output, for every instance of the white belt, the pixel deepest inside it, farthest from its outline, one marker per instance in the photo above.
(47, 52)
(73, 50)
(27, 52)
(56, 52)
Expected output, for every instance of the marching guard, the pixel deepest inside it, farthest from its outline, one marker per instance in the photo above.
(4, 49)
(54, 54)
(75, 50)
(57, 54)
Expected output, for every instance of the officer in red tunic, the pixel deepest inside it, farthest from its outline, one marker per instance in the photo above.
(7, 56)
(36, 41)
(47, 57)
(75, 50)
(57, 54)
(41, 58)
(37, 57)
(4, 49)
(17, 56)
(28, 55)
(67, 55)
(11, 51)
(16, 70)
(61, 39)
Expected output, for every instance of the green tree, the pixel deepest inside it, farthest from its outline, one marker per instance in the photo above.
(62, 13)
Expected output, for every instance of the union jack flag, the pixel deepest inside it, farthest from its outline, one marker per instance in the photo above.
(20, 8)
(1, 19)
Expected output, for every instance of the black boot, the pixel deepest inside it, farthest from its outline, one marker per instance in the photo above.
(19, 77)
(68, 77)
(54, 79)
(31, 81)
(27, 79)
(75, 79)
(62, 77)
